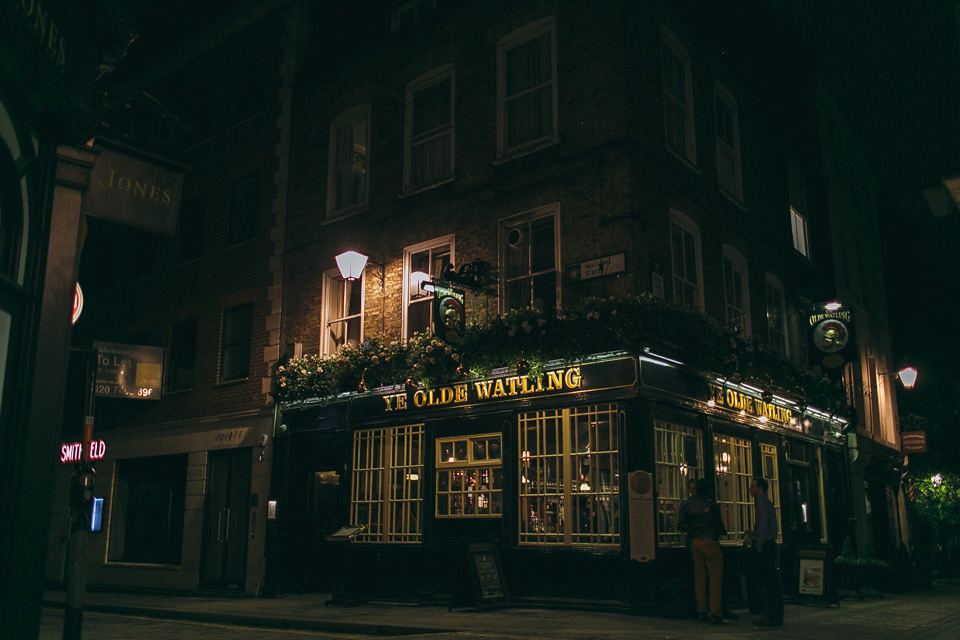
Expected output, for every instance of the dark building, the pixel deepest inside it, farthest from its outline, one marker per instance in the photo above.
(583, 151)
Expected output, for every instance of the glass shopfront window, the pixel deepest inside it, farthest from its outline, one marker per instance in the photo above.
(733, 461)
(679, 456)
(570, 476)
(386, 493)
(768, 458)
(469, 476)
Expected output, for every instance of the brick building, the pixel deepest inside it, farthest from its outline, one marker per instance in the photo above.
(679, 148)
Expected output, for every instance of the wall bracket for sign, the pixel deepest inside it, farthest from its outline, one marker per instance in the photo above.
(480, 582)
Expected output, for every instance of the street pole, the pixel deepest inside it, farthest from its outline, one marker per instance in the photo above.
(81, 501)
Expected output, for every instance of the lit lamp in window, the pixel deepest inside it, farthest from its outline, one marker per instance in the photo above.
(351, 265)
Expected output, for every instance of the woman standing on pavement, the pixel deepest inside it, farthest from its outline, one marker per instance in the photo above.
(700, 519)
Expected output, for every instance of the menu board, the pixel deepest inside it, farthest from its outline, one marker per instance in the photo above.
(484, 562)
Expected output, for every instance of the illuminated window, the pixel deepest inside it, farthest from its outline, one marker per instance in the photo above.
(429, 130)
(685, 251)
(734, 469)
(569, 476)
(423, 261)
(386, 495)
(799, 227)
(529, 246)
(776, 316)
(348, 178)
(728, 142)
(736, 291)
(679, 451)
(677, 97)
(797, 186)
(527, 88)
(768, 455)
(342, 321)
(469, 476)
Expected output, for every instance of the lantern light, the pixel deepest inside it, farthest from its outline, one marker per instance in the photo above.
(908, 376)
(351, 265)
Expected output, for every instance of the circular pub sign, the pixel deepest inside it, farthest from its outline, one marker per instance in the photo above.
(77, 304)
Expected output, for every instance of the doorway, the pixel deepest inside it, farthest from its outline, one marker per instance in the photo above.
(224, 551)
(323, 518)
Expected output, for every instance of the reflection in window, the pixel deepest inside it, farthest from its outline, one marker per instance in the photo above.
(423, 265)
(679, 451)
(342, 312)
(570, 476)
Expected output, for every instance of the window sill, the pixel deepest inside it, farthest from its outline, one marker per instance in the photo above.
(346, 213)
(733, 199)
(429, 187)
(689, 164)
(531, 147)
(231, 383)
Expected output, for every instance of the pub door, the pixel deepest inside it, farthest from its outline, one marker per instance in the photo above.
(323, 518)
(224, 551)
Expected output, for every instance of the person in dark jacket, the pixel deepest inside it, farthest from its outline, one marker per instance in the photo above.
(764, 543)
(700, 519)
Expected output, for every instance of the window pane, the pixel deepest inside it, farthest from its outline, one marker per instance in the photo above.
(244, 207)
(183, 352)
(350, 163)
(235, 343)
(190, 229)
(431, 107)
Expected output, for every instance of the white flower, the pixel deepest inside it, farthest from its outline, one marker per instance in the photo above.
(280, 368)
(448, 350)
(614, 312)
(375, 360)
(429, 348)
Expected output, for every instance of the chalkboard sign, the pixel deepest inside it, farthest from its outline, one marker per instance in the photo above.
(483, 560)
(814, 575)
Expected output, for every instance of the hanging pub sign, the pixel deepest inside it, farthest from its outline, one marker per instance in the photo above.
(914, 441)
(128, 371)
(449, 312)
(131, 188)
(832, 338)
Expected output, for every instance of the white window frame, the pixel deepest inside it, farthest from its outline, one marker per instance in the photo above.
(530, 216)
(772, 282)
(534, 485)
(689, 154)
(688, 226)
(801, 237)
(481, 498)
(512, 40)
(354, 113)
(425, 81)
(408, 252)
(732, 149)
(769, 452)
(733, 460)
(673, 474)
(738, 263)
(374, 483)
(331, 279)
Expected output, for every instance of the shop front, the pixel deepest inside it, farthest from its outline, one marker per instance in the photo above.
(574, 475)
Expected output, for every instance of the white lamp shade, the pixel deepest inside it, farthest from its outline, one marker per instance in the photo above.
(351, 265)
(417, 280)
(908, 376)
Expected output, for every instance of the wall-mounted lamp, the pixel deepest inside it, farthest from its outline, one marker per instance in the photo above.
(351, 265)
(907, 376)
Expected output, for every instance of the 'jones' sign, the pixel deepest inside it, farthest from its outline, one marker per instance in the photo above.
(134, 192)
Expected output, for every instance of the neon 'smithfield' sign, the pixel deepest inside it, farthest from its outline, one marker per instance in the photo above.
(732, 399)
(73, 451)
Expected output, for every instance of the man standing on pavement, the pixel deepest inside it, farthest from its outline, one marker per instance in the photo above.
(764, 541)
(700, 519)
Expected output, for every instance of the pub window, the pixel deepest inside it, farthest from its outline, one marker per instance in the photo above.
(386, 495)
(423, 262)
(469, 476)
(146, 523)
(570, 476)
(734, 467)
(529, 246)
(768, 457)
(679, 451)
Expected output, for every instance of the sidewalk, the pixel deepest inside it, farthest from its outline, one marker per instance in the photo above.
(933, 615)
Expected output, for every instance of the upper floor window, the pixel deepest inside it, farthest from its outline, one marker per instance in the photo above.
(183, 355)
(685, 252)
(529, 249)
(342, 321)
(244, 207)
(797, 187)
(527, 87)
(422, 262)
(736, 291)
(190, 229)
(677, 97)
(429, 139)
(235, 341)
(776, 315)
(347, 183)
(728, 142)
(798, 225)
(250, 88)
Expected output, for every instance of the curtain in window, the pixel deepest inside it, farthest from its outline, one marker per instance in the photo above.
(529, 91)
(432, 134)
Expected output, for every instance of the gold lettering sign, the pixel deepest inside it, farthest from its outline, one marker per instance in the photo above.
(840, 315)
(755, 407)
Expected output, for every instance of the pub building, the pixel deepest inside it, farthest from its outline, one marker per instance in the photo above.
(575, 476)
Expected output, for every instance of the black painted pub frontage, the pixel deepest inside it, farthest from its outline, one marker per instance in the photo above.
(574, 475)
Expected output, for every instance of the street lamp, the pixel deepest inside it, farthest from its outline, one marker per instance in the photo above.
(908, 376)
(351, 265)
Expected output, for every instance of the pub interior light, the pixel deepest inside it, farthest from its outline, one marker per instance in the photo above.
(351, 265)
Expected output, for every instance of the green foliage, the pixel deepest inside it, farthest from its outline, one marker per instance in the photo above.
(597, 325)
(937, 508)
